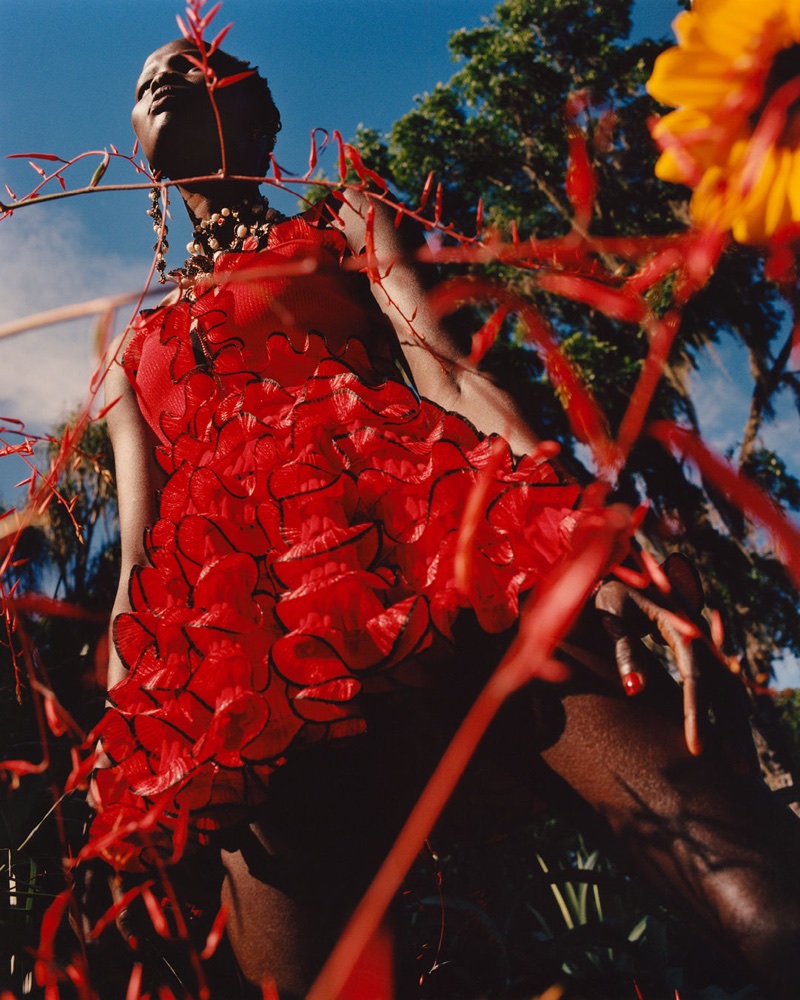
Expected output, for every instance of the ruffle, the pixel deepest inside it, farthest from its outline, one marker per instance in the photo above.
(304, 553)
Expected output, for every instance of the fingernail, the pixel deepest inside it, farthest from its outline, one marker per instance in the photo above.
(633, 682)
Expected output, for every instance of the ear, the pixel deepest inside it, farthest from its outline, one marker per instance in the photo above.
(685, 582)
(260, 149)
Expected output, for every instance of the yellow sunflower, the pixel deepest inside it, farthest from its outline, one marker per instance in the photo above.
(734, 77)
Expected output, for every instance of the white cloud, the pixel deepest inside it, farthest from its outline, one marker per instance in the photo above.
(721, 391)
(48, 262)
(46, 372)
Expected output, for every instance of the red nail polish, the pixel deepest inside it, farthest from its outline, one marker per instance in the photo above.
(633, 683)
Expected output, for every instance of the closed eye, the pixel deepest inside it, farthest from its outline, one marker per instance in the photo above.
(178, 63)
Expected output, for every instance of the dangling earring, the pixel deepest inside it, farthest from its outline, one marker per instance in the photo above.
(160, 246)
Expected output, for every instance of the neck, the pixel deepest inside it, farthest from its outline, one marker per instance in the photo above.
(242, 226)
(205, 200)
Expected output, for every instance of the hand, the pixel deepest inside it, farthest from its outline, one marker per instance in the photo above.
(628, 615)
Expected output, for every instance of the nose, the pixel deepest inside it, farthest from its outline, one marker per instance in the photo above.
(165, 77)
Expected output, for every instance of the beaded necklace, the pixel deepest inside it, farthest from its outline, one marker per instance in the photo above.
(227, 231)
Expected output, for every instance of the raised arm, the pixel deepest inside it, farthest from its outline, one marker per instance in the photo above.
(437, 360)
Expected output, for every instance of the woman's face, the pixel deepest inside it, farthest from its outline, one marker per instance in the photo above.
(174, 120)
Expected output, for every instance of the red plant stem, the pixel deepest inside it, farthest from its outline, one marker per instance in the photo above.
(663, 333)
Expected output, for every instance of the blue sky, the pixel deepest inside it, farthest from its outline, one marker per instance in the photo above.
(67, 71)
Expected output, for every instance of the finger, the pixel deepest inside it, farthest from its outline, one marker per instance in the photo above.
(680, 636)
(625, 623)
(691, 712)
(687, 587)
(630, 656)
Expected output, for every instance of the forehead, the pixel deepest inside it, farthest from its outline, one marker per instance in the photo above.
(162, 55)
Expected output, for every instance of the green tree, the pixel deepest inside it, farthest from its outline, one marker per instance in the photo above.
(72, 555)
(497, 132)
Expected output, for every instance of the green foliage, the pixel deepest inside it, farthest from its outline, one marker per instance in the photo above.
(769, 470)
(497, 131)
(79, 565)
(788, 705)
(510, 915)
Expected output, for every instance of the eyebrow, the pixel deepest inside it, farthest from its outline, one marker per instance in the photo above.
(146, 70)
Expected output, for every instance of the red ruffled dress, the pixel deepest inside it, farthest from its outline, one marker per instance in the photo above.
(304, 550)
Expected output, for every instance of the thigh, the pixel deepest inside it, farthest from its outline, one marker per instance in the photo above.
(709, 838)
(296, 873)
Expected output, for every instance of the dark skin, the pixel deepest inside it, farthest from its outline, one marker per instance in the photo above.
(709, 838)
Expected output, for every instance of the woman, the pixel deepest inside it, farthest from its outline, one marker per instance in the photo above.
(289, 510)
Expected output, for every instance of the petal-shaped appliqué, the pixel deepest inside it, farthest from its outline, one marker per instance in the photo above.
(305, 545)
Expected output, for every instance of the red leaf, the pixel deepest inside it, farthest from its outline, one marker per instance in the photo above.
(667, 259)
(486, 336)
(426, 191)
(155, 912)
(209, 17)
(134, 990)
(215, 934)
(81, 769)
(219, 38)
(585, 416)
(228, 81)
(313, 153)
(196, 62)
(23, 766)
(656, 573)
(737, 488)
(114, 911)
(181, 835)
(631, 577)
(700, 258)
(364, 173)
(471, 517)
(581, 182)
(107, 407)
(616, 303)
(342, 158)
(35, 156)
(182, 27)
(662, 334)
(599, 543)
(57, 719)
(50, 923)
(369, 237)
